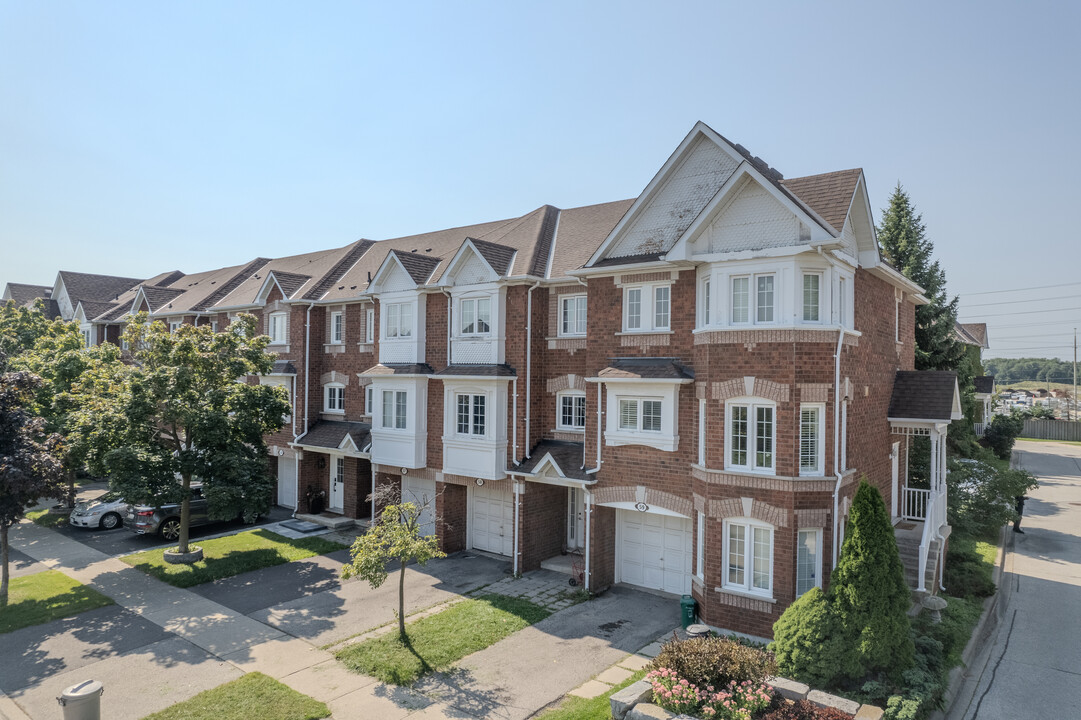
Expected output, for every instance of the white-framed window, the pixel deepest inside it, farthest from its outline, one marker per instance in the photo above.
(753, 299)
(398, 320)
(700, 548)
(337, 470)
(897, 319)
(369, 325)
(647, 308)
(278, 328)
(471, 414)
(707, 300)
(752, 435)
(702, 432)
(337, 327)
(395, 409)
(174, 325)
(571, 410)
(572, 314)
(86, 338)
(640, 414)
(811, 438)
(748, 557)
(213, 326)
(476, 316)
(808, 560)
(842, 302)
(369, 399)
(334, 398)
(812, 292)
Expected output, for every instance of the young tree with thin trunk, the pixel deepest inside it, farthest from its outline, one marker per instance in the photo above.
(29, 466)
(396, 536)
(183, 411)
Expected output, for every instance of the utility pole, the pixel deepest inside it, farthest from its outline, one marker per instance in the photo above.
(1074, 374)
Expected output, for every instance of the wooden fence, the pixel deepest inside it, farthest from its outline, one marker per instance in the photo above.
(1052, 430)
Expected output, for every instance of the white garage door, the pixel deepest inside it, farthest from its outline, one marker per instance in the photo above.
(287, 482)
(421, 493)
(655, 551)
(492, 523)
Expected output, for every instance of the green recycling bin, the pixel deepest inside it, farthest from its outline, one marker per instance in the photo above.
(687, 610)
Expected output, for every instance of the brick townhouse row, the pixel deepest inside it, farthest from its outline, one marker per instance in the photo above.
(678, 392)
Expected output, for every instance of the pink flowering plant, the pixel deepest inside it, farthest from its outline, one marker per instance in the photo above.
(674, 693)
(737, 701)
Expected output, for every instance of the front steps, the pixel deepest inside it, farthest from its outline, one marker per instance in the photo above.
(909, 535)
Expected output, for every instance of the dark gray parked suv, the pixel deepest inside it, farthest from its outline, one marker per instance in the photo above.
(165, 521)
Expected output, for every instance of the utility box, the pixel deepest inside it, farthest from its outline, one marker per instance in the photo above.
(82, 701)
(688, 607)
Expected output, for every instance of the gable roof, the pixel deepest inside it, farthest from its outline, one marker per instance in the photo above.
(828, 194)
(930, 395)
(645, 369)
(985, 384)
(419, 267)
(26, 294)
(976, 331)
(301, 272)
(158, 297)
(88, 286)
(499, 257)
(567, 458)
(332, 435)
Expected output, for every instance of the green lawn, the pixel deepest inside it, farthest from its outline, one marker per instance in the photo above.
(437, 641)
(252, 696)
(598, 708)
(45, 596)
(47, 519)
(1064, 442)
(227, 556)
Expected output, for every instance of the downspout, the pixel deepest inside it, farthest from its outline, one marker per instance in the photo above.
(517, 518)
(514, 456)
(307, 383)
(528, 364)
(600, 421)
(450, 305)
(837, 439)
(589, 516)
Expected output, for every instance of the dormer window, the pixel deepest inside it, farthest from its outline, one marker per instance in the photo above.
(337, 328)
(277, 328)
(572, 315)
(476, 316)
(399, 320)
(647, 308)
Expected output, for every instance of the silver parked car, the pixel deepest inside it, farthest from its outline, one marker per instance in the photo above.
(105, 512)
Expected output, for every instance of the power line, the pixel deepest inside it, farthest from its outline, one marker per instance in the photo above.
(1032, 312)
(1071, 296)
(1037, 287)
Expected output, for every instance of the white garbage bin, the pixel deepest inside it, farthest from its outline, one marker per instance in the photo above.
(82, 701)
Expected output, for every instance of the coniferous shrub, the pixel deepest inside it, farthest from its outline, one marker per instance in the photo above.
(868, 593)
(808, 642)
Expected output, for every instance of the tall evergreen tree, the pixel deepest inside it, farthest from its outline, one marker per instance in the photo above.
(904, 240)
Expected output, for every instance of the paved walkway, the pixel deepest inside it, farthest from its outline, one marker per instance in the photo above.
(160, 645)
(542, 587)
(1032, 667)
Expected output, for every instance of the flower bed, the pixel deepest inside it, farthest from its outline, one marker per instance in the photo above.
(736, 701)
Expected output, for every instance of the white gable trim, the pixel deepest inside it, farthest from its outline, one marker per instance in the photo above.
(269, 283)
(388, 262)
(461, 257)
(348, 445)
(657, 183)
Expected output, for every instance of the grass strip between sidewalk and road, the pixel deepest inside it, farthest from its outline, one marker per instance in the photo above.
(46, 596)
(598, 708)
(44, 518)
(254, 695)
(231, 555)
(439, 640)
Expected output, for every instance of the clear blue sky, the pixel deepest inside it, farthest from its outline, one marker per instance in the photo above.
(141, 137)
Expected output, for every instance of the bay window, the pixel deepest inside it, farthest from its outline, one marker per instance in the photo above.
(471, 414)
(394, 409)
(399, 320)
(748, 557)
(812, 283)
(753, 299)
(751, 436)
(476, 316)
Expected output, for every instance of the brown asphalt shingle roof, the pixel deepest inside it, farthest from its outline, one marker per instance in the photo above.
(27, 294)
(290, 282)
(502, 370)
(645, 369)
(923, 395)
(159, 297)
(829, 194)
(567, 455)
(419, 267)
(313, 265)
(499, 257)
(985, 384)
(978, 332)
(330, 434)
(581, 231)
(394, 369)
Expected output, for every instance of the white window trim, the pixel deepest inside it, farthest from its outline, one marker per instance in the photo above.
(369, 400)
(751, 403)
(667, 439)
(747, 588)
(475, 301)
(369, 325)
(394, 414)
(559, 410)
(640, 400)
(818, 558)
(897, 319)
(327, 395)
(284, 340)
(702, 433)
(820, 470)
(802, 308)
(397, 326)
(700, 548)
(752, 298)
(563, 299)
(473, 395)
(705, 305)
(337, 327)
(174, 325)
(647, 309)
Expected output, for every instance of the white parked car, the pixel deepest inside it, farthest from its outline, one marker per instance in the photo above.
(105, 512)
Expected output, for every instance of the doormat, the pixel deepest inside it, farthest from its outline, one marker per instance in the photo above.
(302, 526)
(901, 526)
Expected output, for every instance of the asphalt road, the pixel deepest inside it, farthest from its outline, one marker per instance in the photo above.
(1032, 668)
(122, 541)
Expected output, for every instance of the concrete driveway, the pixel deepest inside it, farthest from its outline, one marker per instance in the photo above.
(527, 671)
(1030, 668)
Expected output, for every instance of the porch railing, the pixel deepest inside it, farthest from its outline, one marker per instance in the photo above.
(914, 503)
(980, 429)
(935, 518)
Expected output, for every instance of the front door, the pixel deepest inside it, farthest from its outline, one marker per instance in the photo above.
(576, 519)
(336, 502)
(287, 482)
